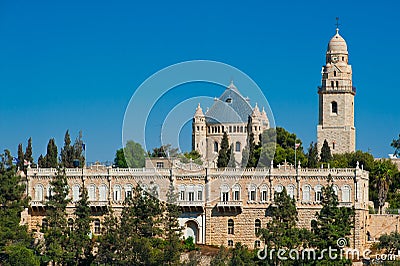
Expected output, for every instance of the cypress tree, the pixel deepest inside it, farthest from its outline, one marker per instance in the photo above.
(80, 241)
(51, 156)
(56, 236)
(173, 230)
(42, 161)
(20, 163)
(67, 152)
(312, 155)
(14, 238)
(109, 241)
(326, 154)
(223, 158)
(78, 153)
(28, 153)
(230, 154)
(333, 222)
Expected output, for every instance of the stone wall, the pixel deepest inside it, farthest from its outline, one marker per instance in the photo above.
(380, 224)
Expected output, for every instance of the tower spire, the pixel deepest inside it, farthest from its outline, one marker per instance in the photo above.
(337, 25)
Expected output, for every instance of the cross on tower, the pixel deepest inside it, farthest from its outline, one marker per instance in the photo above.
(337, 23)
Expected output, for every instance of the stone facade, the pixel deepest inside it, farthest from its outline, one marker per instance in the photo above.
(230, 113)
(336, 100)
(220, 206)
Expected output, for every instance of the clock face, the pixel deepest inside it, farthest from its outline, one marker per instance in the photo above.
(334, 59)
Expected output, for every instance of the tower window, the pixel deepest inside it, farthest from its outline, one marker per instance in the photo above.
(334, 73)
(342, 58)
(333, 145)
(332, 84)
(257, 226)
(229, 100)
(215, 146)
(334, 107)
(237, 146)
(337, 84)
(231, 227)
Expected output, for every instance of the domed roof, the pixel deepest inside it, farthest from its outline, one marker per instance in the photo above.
(337, 44)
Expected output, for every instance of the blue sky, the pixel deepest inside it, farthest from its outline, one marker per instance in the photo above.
(75, 64)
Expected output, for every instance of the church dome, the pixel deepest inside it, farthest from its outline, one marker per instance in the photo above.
(337, 44)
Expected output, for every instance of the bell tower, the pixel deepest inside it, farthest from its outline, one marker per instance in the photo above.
(336, 99)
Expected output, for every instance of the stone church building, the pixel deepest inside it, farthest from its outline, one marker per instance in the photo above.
(226, 206)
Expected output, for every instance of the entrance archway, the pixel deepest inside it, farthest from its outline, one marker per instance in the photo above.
(192, 230)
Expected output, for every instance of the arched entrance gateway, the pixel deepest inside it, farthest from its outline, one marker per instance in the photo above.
(192, 229)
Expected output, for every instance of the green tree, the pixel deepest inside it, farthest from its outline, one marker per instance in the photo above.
(80, 241)
(173, 230)
(109, 241)
(249, 158)
(223, 158)
(20, 163)
(193, 156)
(78, 150)
(50, 160)
(28, 153)
(332, 223)
(164, 151)
(281, 231)
(241, 256)
(382, 175)
(231, 155)
(389, 242)
(140, 230)
(19, 255)
(326, 154)
(312, 155)
(221, 258)
(15, 241)
(119, 160)
(56, 235)
(396, 145)
(42, 161)
(67, 152)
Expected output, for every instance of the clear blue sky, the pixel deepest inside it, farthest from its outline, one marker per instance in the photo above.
(75, 64)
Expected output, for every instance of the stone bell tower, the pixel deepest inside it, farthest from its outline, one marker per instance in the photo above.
(336, 99)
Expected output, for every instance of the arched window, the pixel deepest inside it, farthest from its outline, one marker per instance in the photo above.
(306, 193)
(264, 193)
(237, 146)
(278, 188)
(290, 191)
(97, 226)
(39, 192)
(346, 193)
(128, 191)
(230, 243)
(318, 193)
(215, 146)
(334, 107)
(225, 193)
(92, 192)
(257, 226)
(75, 193)
(103, 192)
(117, 192)
(236, 192)
(231, 227)
(252, 192)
